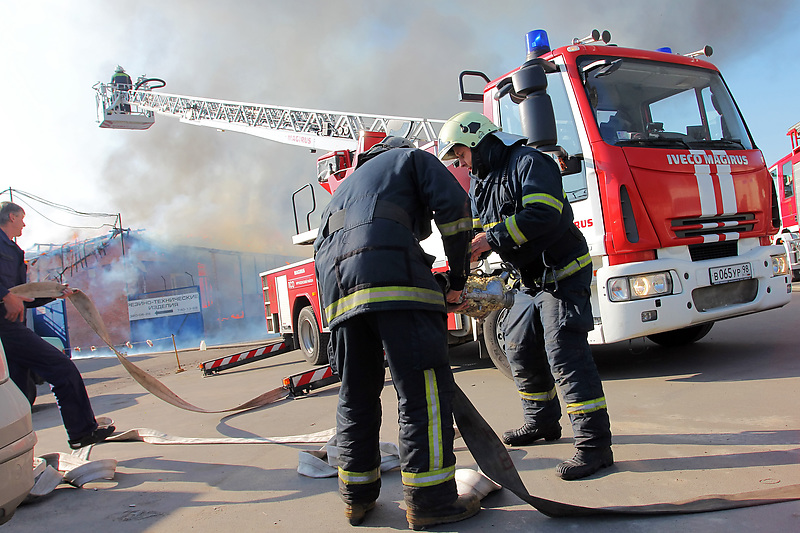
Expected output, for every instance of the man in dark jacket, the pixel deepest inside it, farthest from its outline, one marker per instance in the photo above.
(380, 297)
(26, 351)
(522, 214)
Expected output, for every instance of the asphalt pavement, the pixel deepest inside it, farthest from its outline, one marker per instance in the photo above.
(718, 417)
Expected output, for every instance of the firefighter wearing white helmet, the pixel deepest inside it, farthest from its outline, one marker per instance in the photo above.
(122, 82)
(121, 78)
(467, 128)
(520, 211)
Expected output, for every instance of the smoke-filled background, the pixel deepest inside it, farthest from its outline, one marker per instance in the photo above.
(196, 186)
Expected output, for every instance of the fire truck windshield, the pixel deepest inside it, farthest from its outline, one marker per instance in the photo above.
(650, 103)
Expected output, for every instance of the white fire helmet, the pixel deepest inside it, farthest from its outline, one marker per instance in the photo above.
(467, 128)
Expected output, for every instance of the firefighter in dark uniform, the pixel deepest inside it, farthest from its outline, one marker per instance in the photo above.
(521, 213)
(122, 82)
(26, 351)
(380, 296)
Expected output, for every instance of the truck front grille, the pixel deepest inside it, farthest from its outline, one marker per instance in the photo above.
(716, 225)
(713, 250)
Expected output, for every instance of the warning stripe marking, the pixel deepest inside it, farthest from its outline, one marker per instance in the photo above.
(313, 375)
(245, 355)
(715, 188)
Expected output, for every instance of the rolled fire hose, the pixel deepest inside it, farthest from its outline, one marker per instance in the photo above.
(484, 445)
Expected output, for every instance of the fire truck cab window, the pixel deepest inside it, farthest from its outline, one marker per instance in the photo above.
(788, 182)
(574, 184)
(796, 169)
(648, 103)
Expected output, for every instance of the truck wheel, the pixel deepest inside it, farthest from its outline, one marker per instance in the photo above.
(312, 343)
(681, 337)
(494, 341)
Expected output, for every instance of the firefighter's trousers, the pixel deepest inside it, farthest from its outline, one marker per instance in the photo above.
(26, 351)
(546, 335)
(415, 344)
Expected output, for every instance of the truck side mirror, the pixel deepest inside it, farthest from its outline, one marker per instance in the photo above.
(574, 165)
(569, 164)
(536, 109)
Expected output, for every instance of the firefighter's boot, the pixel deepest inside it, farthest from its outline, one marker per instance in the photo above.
(586, 462)
(462, 508)
(530, 433)
(355, 512)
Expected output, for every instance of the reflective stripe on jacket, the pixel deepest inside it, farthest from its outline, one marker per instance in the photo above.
(120, 78)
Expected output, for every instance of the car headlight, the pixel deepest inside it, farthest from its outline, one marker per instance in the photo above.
(780, 266)
(639, 287)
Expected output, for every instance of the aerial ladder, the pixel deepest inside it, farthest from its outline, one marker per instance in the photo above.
(309, 128)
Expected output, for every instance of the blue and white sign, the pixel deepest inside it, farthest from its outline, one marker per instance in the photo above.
(182, 304)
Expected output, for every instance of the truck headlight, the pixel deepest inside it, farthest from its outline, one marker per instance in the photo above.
(780, 266)
(639, 287)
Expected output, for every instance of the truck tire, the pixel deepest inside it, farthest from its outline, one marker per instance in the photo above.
(494, 341)
(681, 337)
(310, 340)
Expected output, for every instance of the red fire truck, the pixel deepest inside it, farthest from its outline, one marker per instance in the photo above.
(783, 173)
(666, 183)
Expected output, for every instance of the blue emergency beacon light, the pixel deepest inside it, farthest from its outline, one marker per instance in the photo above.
(537, 43)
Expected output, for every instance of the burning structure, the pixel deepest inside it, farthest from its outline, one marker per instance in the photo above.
(148, 291)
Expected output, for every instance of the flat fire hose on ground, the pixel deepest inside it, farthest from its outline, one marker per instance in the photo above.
(87, 309)
(484, 445)
(76, 469)
(493, 459)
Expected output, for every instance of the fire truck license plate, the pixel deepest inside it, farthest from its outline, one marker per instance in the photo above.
(730, 273)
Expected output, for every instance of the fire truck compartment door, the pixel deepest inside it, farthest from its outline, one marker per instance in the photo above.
(284, 311)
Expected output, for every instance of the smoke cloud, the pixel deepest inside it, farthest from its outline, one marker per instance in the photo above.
(194, 185)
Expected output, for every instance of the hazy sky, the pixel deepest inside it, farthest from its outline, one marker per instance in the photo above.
(194, 185)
